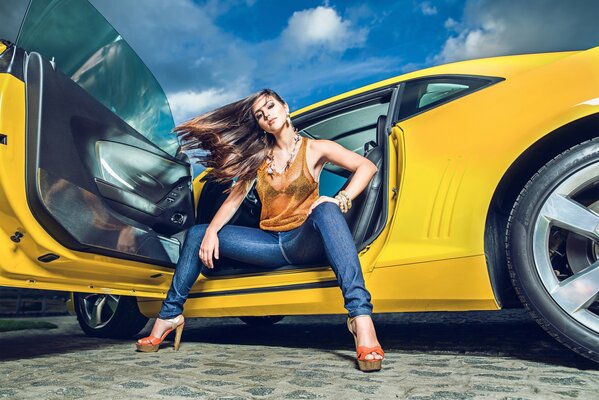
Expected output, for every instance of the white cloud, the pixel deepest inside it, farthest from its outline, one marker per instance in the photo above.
(501, 27)
(450, 23)
(485, 41)
(180, 42)
(427, 9)
(321, 28)
(200, 65)
(188, 103)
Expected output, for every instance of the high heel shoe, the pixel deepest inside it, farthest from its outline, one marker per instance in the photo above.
(364, 364)
(152, 343)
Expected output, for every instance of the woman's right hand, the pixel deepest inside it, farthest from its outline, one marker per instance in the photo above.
(209, 248)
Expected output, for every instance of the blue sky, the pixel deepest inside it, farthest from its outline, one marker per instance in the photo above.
(209, 53)
(306, 50)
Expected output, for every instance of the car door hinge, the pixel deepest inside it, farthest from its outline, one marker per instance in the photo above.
(17, 236)
(365, 250)
(394, 190)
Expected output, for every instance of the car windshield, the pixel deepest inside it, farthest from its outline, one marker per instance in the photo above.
(85, 47)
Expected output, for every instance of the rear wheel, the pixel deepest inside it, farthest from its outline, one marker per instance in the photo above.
(109, 316)
(552, 247)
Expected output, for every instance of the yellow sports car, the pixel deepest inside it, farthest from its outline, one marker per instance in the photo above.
(488, 180)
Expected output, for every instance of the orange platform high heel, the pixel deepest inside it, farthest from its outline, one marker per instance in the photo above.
(362, 351)
(152, 343)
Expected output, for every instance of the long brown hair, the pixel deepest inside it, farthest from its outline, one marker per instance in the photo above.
(234, 143)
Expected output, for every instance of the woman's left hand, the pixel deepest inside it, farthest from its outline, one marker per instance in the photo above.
(320, 200)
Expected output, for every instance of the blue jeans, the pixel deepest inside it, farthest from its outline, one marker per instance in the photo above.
(324, 235)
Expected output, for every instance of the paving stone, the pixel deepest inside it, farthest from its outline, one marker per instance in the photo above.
(301, 394)
(261, 391)
(134, 385)
(7, 393)
(499, 376)
(183, 391)
(70, 391)
(311, 383)
(430, 356)
(218, 371)
(429, 373)
(572, 393)
(570, 380)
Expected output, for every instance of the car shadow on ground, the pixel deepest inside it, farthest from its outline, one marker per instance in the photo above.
(484, 334)
(472, 334)
(48, 343)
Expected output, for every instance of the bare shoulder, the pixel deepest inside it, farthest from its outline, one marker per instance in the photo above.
(319, 149)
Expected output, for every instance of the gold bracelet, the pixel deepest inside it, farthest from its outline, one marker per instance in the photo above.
(344, 201)
(347, 198)
(340, 203)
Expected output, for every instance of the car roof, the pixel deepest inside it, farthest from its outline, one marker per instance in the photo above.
(504, 67)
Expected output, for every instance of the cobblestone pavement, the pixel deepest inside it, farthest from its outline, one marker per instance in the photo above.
(486, 355)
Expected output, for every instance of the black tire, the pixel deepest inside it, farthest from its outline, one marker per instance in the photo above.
(547, 218)
(262, 321)
(120, 317)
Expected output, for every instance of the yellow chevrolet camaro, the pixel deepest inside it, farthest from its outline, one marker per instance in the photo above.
(486, 196)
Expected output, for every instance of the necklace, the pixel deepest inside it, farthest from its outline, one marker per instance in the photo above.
(270, 160)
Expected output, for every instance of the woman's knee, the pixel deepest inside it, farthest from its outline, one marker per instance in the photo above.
(327, 208)
(328, 213)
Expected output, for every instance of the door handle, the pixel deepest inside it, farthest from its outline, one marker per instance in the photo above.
(127, 198)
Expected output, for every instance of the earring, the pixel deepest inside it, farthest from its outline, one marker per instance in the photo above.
(263, 137)
(289, 119)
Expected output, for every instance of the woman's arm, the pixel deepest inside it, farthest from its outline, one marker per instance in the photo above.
(229, 207)
(363, 168)
(209, 245)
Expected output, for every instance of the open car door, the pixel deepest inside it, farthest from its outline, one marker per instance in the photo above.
(91, 192)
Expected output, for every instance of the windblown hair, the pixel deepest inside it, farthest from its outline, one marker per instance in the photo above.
(234, 144)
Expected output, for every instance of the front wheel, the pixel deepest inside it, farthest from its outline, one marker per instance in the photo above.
(552, 246)
(108, 316)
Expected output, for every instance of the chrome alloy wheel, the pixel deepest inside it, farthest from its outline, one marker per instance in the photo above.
(108, 315)
(98, 309)
(565, 246)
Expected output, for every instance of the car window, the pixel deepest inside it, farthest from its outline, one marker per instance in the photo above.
(11, 15)
(86, 48)
(423, 94)
(352, 128)
(434, 92)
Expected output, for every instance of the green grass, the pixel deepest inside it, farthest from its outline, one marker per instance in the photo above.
(11, 325)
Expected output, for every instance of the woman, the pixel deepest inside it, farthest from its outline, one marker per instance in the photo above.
(253, 139)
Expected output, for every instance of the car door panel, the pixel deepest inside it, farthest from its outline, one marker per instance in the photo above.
(93, 182)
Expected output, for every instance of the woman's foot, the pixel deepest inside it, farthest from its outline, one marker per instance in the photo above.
(368, 349)
(363, 327)
(162, 325)
(160, 330)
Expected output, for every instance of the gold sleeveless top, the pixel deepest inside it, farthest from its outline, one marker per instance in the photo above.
(286, 197)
